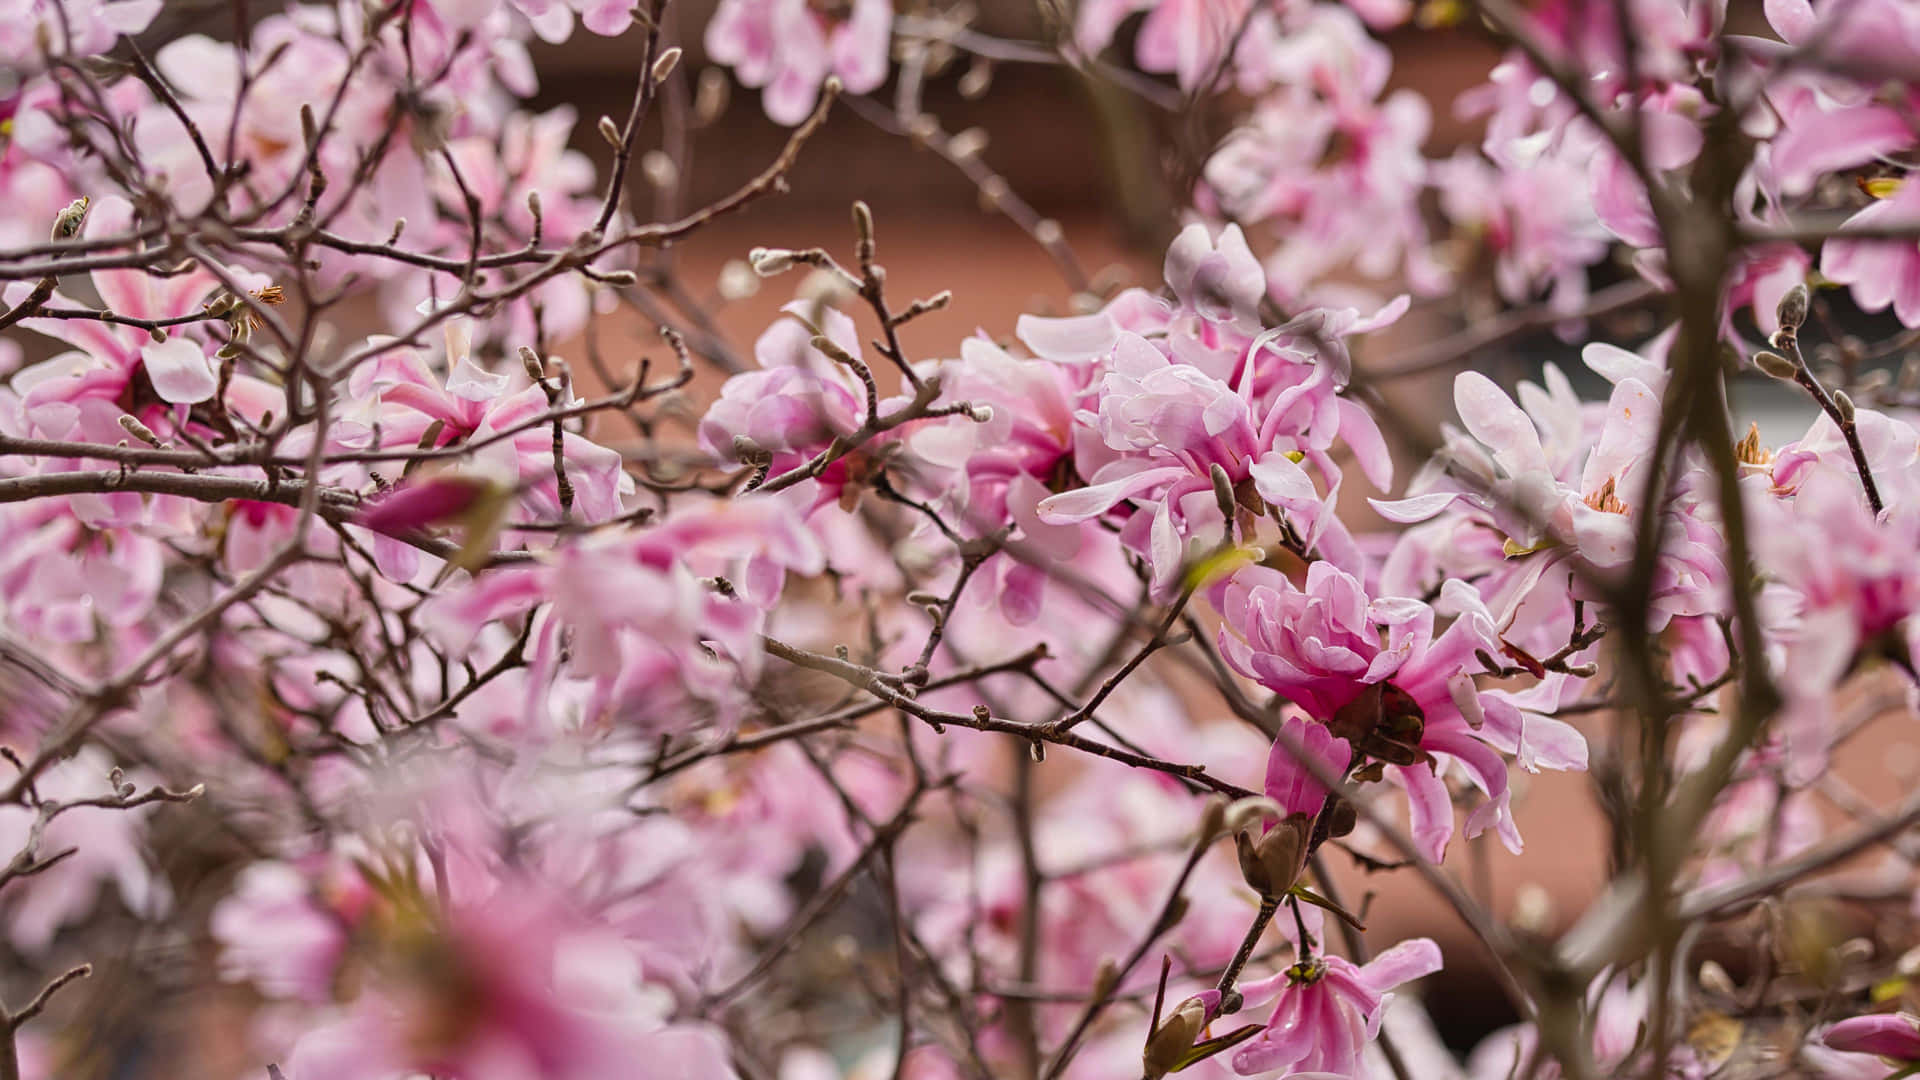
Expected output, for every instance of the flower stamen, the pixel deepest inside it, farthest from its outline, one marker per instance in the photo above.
(1605, 501)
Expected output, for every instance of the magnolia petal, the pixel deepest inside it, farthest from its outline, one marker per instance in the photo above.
(180, 371)
(1415, 509)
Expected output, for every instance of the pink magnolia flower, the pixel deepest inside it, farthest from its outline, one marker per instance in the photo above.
(511, 986)
(1895, 1036)
(799, 400)
(275, 932)
(661, 648)
(1761, 276)
(1850, 570)
(1881, 273)
(122, 369)
(1290, 783)
(1172, 425)
(1531, 500)
(1007, 461)
(1847, 109)
(1530, 492)
(1764, 816)
(1328, 1010)
(1326, 155)
(1873, 37)
(423, 504)
(1891, 446)
(36, 164)
(1183, 37)
(789, 48)
(1347, 188)
(528, 156)
(1164, 424)
(68, 572)
(1536, 218)
(1216, 279)
(1303, 752)
(68, 27)
(1403, 699)
(1619, 1010)
(399, 395)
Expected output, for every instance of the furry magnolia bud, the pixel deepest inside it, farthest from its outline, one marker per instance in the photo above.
(770, 261)
(1793, 308)
(1222, 490)
(664, 66)
(1772, 363)
(140, 431)
(710, 96)
(1844, 405)
(66, 224)
(862, 221)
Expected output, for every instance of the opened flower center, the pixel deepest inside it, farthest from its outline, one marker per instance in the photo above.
(1605, 501)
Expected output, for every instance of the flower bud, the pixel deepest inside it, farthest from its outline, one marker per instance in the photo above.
(1793, 308)
(1271, 864)
(66, 224)
(1893, 1036)
(664, 66)
(862, 221)
(1222, 490)
(1104, 976)
(1244, 812)
(831, 349)
(967, 144)
(1342, 818)
(737, 281)
(745, 449)
(1212, 817)
(610, 131)
(138, 430)
(659, 169)
(423, 503)
(770, 261)
(1170, 1045)
(1714, 978)
(1844, 405)
(710, 96)
(977, 79)
(993, 192)
(1772, 363)
(529, 360)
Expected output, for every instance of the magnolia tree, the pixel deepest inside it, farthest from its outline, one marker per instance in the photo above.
(438, 704)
